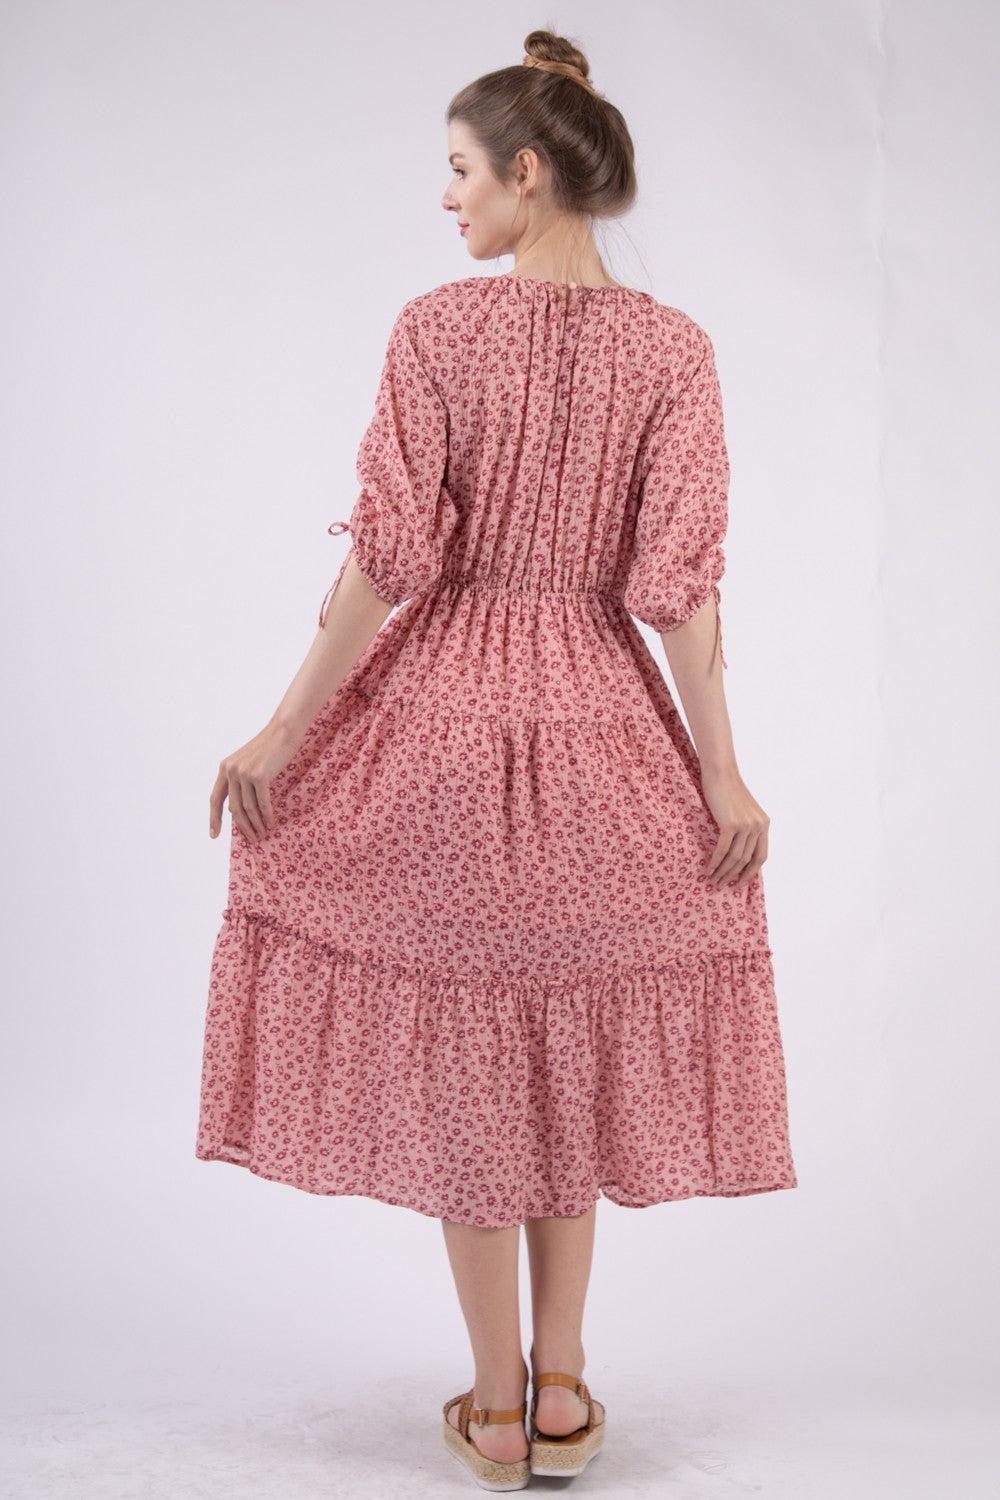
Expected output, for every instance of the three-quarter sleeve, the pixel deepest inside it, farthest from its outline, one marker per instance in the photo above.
(404, 517)
(677, 554)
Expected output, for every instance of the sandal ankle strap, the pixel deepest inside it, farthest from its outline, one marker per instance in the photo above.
(557, 1378)
(486, 1415)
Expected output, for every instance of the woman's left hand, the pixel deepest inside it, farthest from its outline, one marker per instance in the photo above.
(741, 847)
(245, 777)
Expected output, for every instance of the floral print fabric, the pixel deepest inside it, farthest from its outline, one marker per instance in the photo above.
(476, 969)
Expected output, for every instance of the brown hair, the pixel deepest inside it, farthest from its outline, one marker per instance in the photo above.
(579, 133)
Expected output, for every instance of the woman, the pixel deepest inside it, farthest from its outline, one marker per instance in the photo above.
(496, 941)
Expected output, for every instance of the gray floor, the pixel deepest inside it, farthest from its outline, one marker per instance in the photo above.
(221, 1435)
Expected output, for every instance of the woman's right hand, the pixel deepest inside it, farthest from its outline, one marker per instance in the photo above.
(245, 778)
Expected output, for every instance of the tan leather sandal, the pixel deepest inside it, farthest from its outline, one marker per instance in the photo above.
(563, 1457)
(488, 1473)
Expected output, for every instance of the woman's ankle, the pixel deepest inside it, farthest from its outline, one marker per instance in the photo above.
(568, 1359)
(500, 1388)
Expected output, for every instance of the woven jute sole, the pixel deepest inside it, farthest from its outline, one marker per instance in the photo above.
(561, 1459)
(487, 1472)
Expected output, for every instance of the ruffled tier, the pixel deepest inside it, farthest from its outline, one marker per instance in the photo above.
(491, 1101)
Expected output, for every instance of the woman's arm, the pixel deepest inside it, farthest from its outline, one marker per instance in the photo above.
(696, 667)
(353, 618)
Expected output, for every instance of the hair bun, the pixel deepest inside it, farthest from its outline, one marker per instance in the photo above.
(567, 69)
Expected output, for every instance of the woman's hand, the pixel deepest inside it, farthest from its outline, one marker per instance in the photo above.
(245, 777)
(741, 847)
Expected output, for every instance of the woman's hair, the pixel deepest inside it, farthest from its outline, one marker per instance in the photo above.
(580, 134)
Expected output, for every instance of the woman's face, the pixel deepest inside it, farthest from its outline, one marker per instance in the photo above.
(487, 207)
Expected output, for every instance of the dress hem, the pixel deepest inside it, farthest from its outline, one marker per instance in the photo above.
(238, 1157)
(482, 1101)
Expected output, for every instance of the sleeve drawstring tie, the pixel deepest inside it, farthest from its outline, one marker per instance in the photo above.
(718, 624)
(335, 529)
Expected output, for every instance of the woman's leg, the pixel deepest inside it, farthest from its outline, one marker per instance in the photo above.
(484, 1263)
(560, 1252)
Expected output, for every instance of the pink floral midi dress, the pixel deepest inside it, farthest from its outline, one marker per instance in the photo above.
(476, 968)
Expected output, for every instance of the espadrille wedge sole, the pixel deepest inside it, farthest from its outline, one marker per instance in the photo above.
(563, 1457)
(488, 1473)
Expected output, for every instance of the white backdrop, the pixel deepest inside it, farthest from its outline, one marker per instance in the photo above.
(211, 213)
